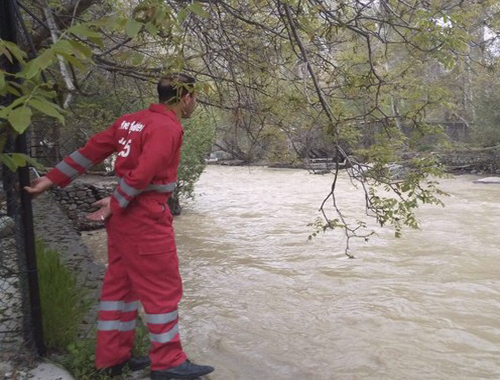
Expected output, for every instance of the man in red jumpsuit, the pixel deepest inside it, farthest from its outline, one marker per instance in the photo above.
(142, 256)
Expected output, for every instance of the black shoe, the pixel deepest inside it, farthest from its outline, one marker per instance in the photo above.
(134, 364)
(186, 370)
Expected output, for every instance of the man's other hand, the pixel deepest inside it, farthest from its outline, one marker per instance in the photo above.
(103, 212)
(39, 186)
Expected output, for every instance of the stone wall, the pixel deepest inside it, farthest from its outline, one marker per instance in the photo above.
(11, 301)
(77, 199)
(54, 227)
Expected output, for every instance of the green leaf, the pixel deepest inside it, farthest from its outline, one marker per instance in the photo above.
(63, 47)
(22, 159)
(97, 41)
(18, 102)
(5, 51)
(14, 50)
(20, 118)
(198, 10)
(84, 30)
(4, 112)
(19, 159)
(30, 70)
(2, 79)
(47, 108)
(9, 162)
(84, 50)
(151, 28)
(132, 28)
(35, 66)
(45, 59)
(12, 89)
(75, 62)
(32, 162)
(181, 15)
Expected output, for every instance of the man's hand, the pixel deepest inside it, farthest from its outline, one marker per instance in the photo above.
(39, 186)
(104, 211)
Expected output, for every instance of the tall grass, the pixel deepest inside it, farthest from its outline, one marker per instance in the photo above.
(63, 306)
(63, 309)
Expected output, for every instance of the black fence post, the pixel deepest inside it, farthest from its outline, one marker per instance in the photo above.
(8, 32)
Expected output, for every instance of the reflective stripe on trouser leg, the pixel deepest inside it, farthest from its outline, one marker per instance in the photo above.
(115, 328)
(163, 333)
(157, 280)
(116, 325)
(117, 312)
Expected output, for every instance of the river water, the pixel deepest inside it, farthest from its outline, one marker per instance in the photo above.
(261, 301)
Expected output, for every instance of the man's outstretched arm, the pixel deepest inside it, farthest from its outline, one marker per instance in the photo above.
(39, 186)
(100, 146)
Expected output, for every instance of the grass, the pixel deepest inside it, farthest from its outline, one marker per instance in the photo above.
(79, 360)
(63, 307)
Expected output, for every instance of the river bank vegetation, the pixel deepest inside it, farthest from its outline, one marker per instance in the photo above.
(368, 84)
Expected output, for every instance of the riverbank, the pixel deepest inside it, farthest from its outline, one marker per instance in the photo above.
(464, 160)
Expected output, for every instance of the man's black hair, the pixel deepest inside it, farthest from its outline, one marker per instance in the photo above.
(173, 87)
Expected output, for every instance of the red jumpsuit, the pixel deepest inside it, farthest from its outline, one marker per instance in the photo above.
(142, 256)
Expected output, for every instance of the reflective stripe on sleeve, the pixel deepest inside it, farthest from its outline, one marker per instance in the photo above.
(166, 336)
(115, 325)
(132, 191)
(122, 201)
(158, 319)
(80, 159)
(67, 170)
(129, 190)
(118, 306)
(166, 188)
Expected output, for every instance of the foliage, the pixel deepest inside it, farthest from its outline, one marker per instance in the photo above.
(486, 130)
(15, 160)
(141, 340)
(79, 360)
(197, 141)
(63, 307)
(306, 77)
(79, 357)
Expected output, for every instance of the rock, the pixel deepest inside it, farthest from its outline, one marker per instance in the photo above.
(81, 194)
(46, 371)
(7, 226)
(489, 180)
(72, 207)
